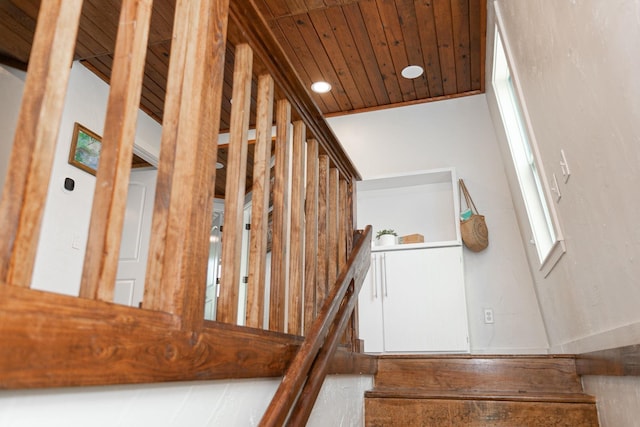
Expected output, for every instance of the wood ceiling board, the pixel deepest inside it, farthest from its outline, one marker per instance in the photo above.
(344, 38)
(460, 21)
(478, 33)
(411, 36)
(397, 47)
(376, 34)
(444, 36)
(334, 52)
(428, 41)
(355, 22)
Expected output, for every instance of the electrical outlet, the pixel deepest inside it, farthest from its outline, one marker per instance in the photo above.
(488, 315)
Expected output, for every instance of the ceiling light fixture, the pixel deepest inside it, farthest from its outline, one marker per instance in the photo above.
(321, 87)
(412, 71)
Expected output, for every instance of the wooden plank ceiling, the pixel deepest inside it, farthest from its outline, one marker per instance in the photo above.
(359, 46)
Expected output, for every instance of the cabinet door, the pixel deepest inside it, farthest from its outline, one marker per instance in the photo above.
(370, 308)
(424, 306)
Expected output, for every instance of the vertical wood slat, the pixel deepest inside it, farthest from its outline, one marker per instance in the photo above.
(280, 252)
(323, 229)
(311, 234)
(343, 218)
(34, 143)
(332, 225)
(227, 311)
(177, 266)
(112, 178)
(296, 265)
(260, 203)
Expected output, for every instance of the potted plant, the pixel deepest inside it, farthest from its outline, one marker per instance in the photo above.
(386, 237)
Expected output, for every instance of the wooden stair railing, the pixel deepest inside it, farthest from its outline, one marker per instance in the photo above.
(51, 340)
(305, 375)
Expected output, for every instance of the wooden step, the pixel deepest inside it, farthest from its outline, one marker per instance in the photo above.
(442, 412)
(405, 393)
(480, 373)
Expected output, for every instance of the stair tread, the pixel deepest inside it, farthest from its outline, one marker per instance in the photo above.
(408, 393)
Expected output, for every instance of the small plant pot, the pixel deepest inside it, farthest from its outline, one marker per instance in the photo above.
(386, 240)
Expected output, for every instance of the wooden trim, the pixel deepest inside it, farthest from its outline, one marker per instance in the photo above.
(90, 342)
(234, 191)
(176, 270)
(323, 336)
(311, 234)
(615, 362)
(247, 16)
(35, 139)
(296, 239)
(260, 203)
(112, 178)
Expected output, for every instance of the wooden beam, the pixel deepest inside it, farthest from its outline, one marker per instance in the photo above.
(236, 172)
(332, 225)
(177, 268)
(84, 342)
(311, 234)
(280, 250)
(35, 140)
(112, 177)
(296, 265)
(260, 204)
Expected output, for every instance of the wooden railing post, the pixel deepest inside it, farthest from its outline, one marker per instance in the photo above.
(235, 190)
(177, 266)
(35, 140)
(280, 251)
(260, 204)
(296, 239)
(311, 235)
(112, 178)
(323, 229)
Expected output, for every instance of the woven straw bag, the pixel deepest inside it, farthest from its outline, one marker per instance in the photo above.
(475, 234)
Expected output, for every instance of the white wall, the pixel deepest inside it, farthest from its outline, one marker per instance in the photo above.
(59, 267)
(576, 63)
(459, 133)
(237, 403)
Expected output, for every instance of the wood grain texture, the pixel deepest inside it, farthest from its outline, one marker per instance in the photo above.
(176, 271)
(260, 204)
(296, 237)
(112, 177)
(465, 413)
(333, 211)
(85, 342)
(280, 250)
(322, 282)
(35, 139)
(236, 171)
(341, 300)
(506, 374)
(311, 235)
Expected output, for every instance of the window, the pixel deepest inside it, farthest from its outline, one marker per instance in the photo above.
(546, 236)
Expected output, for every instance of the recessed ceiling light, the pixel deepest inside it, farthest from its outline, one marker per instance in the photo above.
(412, 72)
(321, 87)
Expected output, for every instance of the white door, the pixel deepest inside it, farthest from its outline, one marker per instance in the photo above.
(370, 308)
(136, 233)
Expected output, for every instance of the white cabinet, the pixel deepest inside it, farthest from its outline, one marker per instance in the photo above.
(413, 299)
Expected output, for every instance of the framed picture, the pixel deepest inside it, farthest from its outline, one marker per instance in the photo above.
(85, 149)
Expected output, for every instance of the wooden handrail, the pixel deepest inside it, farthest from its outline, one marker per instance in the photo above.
(309, 364)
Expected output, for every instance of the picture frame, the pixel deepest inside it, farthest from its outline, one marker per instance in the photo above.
(85, 149)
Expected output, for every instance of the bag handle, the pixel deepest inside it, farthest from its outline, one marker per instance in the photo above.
(467, 197)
